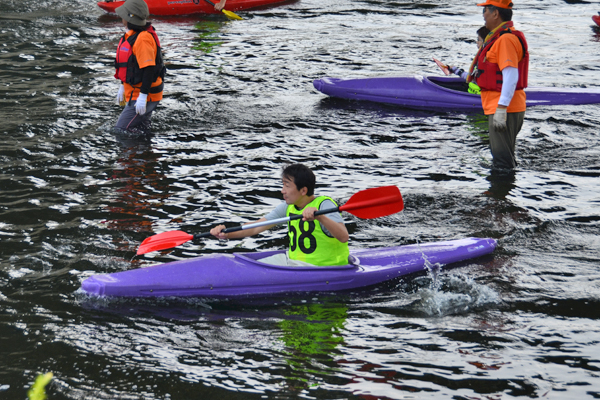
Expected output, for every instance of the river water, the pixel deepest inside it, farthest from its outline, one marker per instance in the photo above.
(77, 200)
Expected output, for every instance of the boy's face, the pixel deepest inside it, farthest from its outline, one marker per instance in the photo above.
(290, 192)
(479, 41)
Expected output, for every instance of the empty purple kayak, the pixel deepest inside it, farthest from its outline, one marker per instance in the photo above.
(440, 93)
(240, 274)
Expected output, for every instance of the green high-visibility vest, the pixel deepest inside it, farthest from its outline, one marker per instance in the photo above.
(310, 244)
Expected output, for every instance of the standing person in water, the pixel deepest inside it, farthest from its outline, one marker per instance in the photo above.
(140, 68)
(473, 88)
(500, 68)
(320, 240)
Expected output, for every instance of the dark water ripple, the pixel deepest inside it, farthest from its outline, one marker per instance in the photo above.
(76, 200)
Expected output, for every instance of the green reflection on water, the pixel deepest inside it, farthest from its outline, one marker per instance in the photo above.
(312, 337)
(208, 36)
(477, 125)
(319, 333)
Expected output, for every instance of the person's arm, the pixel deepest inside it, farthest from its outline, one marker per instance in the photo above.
(459, 71)
(278, 212)
(147, 75)
(220, 5)
(510, 77)
(509, 52)
(336, 229)
(217, 231)
(140, 104)
(145, 52)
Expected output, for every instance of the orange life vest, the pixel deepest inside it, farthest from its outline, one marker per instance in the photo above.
(127, 68)
(489, 75)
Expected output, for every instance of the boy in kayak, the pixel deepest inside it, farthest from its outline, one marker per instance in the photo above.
(140, 68)
(473, 88)
(320, 240)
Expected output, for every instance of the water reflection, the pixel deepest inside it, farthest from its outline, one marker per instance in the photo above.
(313, 337)
(502, 182)
(140, 185)
(208, 36)
(199, 337)
(596, 33)
(382, 110)
(477, 125)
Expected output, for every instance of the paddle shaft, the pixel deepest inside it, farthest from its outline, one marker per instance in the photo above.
(365, 204)
(354, 205)
(264, 223)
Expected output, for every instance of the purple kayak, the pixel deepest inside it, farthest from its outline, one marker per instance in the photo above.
(440, 93)
(240, 274)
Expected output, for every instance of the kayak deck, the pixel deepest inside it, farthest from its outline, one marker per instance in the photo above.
(242, 274)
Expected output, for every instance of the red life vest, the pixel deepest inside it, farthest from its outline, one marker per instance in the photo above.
(489, 75)
(126, 65)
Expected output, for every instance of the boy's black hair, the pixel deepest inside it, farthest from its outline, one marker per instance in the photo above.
(483, 32)
(301, 175)
(138, 28)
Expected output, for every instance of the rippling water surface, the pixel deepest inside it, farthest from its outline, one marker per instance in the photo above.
(77, 200)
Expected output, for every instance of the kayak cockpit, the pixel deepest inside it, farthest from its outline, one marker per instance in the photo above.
(255, 258)
(450, 83)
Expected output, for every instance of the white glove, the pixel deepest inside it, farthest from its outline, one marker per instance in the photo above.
(140, 104)
(121, 95)
(499, 119)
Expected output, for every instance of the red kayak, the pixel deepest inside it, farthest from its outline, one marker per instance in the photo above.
(184, 7)
(596, 19)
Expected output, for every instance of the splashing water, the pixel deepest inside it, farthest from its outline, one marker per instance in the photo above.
(433, 271)
(443, 294)
(453, 294)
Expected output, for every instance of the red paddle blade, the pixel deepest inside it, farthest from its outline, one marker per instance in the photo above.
(375, 203)
(163, 241)
(442, 67)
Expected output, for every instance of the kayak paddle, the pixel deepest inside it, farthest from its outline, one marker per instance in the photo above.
(228, 13)
(443, 67)
(366, 204)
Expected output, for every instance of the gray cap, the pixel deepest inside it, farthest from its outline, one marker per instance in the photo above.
(134, 11)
